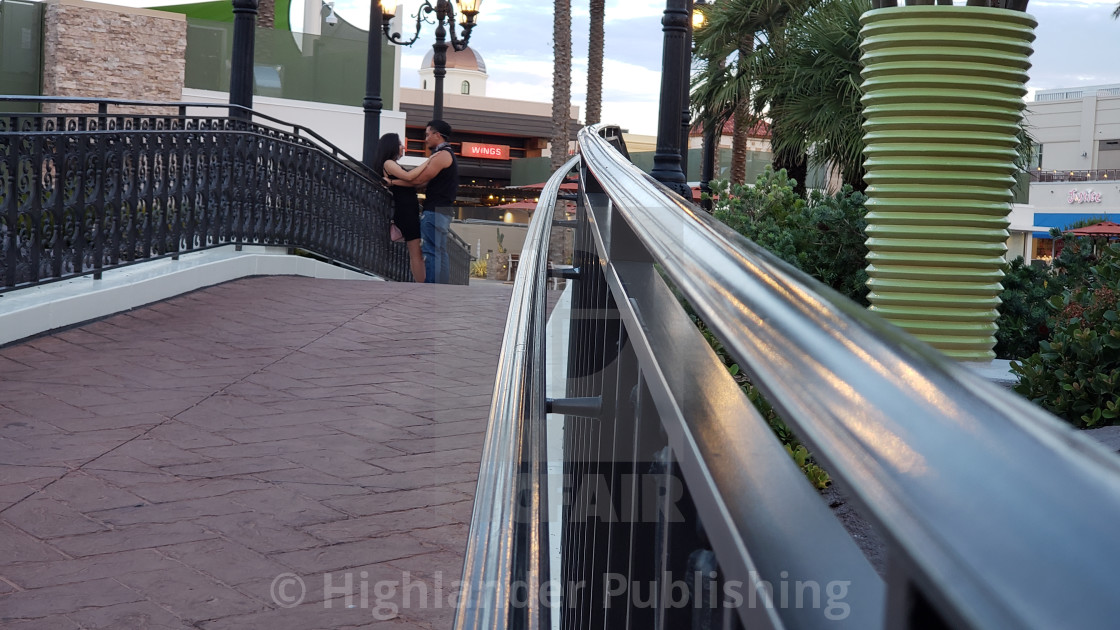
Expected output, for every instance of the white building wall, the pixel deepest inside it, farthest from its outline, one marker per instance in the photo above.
(340, 125)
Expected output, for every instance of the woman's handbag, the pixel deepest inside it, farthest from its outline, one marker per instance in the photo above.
(395, 233)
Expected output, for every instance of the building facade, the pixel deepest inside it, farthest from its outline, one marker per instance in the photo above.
(1075, 174)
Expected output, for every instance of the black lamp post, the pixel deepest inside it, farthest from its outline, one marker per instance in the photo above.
(241, 68)
(444, 12)
(371, 104)
(674, 80)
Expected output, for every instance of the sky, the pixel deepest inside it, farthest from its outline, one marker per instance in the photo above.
(1077, 44)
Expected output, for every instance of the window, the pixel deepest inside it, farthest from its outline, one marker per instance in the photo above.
(466, 88)
(425, 86)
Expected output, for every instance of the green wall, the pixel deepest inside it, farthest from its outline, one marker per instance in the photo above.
(327, 68)
(21, 52)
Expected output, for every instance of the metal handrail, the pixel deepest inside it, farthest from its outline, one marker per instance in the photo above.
(1075, 175)
(507, 542)
(997, 515)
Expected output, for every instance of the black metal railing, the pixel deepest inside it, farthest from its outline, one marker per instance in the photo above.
(681, 509)
(89, 190)
(1095, 175)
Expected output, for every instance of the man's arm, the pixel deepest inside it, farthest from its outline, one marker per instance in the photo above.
(435, 166)
(394, 171)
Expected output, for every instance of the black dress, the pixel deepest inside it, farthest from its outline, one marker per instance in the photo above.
(406, 211)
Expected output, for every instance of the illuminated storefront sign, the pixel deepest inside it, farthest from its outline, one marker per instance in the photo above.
(485, 151)
(1083, 196)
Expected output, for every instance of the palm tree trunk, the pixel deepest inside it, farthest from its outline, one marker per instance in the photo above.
(266, 14)
(742, 118)
(561, 80)
(595, 63)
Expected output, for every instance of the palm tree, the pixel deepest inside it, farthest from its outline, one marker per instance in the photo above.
(561, 80)
(743, 121)
(809, 83)
(595, 63)
(725, 82)
(1116, 13)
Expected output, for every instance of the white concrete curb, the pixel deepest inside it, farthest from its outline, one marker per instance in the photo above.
(35, 310)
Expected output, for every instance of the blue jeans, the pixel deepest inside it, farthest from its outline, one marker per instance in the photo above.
(433, 232)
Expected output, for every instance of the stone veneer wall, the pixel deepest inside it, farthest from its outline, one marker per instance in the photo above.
(106, 51)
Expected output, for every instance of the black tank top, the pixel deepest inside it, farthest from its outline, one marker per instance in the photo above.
(442, 189)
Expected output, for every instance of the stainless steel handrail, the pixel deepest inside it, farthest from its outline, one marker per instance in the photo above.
(508, 543)
(996, 512)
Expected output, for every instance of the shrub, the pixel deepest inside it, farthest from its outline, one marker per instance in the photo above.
(1076, 373)
(814, 473)
(1023, 313)
(823, 236)
(478, 268)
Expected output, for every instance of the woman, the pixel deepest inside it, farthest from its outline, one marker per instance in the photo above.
(406, 208)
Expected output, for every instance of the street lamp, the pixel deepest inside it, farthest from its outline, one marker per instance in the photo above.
(674, 82)
(371, 104)
(444, 12)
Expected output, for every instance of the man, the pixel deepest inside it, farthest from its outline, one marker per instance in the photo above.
(441, 176)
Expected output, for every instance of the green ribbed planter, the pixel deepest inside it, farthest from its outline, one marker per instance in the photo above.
(943, 96)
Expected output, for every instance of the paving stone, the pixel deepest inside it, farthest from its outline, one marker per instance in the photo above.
(385, 502)
(352, 554)
(60, 600)
(285, 506)
(159, 453)
(169, 512)
(86, 493)
(187, 436)
(140, 536)
(44, 517)
(225, 560)
(55, 622)
(18, 546)
(169, 488)
(229, 467)
(33, 575)
(260, 532)
(10, 474)
(393, 522)
(132, 616)
(190, 594)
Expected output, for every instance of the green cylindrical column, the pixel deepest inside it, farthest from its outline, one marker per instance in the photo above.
(943, 98)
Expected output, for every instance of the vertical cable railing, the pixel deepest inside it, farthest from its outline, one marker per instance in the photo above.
(681, 509)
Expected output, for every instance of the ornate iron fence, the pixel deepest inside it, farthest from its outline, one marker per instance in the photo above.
(679, 506)
(86, 191)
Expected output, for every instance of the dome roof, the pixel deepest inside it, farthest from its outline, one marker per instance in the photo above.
(466, 59)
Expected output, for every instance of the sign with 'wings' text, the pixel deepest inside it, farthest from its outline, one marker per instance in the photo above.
(485, 151)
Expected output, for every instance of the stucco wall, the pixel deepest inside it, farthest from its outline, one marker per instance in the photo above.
(1070, 131)
(107, 51)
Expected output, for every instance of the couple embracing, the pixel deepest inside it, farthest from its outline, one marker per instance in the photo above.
(439, 175)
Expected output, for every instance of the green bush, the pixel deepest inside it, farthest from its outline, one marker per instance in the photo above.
(814, 473)
(1076, 373)
(1023, 314)
(823, 236)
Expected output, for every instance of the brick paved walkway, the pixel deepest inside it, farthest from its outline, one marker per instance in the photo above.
(160, 468)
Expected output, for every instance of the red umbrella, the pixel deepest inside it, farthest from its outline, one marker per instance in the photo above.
(1104, 228)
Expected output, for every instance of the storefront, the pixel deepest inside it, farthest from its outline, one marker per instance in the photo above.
(1062, 205)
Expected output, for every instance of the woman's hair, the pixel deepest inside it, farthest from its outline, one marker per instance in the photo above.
(388, 147)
